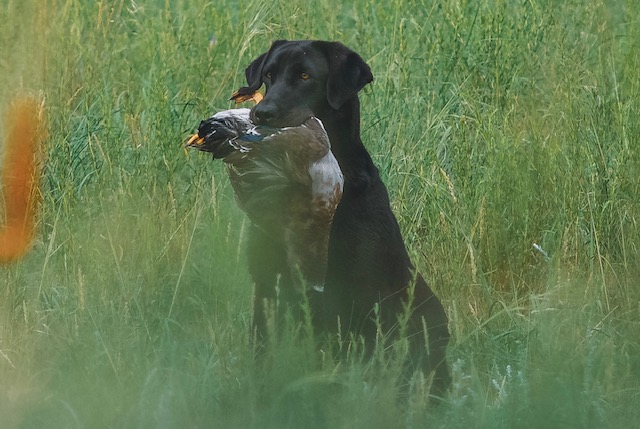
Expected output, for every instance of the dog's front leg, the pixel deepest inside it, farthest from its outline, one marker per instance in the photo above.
(268, 267)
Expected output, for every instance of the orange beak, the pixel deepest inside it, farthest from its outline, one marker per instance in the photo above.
(194, 140)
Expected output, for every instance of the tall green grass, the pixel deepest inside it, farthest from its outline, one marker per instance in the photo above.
(496, 124)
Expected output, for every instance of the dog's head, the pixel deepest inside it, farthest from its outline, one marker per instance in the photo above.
(302, 79)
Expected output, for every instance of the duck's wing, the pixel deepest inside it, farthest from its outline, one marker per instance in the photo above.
(250, 144)
(283, 153)
(304, 144)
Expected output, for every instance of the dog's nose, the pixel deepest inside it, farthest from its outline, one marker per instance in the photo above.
(262, 114)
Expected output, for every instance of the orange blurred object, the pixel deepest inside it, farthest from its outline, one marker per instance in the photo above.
(20, 175)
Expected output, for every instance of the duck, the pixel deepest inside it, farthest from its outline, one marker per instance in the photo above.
(286, 180)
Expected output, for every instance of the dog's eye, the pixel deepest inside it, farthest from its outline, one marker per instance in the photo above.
(304, 76)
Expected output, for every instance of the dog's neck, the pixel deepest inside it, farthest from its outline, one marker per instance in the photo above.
(343, 128)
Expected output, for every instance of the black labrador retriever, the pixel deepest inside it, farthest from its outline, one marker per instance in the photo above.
(369, 278)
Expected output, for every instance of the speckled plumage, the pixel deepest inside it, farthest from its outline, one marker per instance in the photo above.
(286, 180)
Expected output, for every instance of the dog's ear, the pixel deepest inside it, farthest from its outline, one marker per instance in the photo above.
(348, 73)
(253, 73)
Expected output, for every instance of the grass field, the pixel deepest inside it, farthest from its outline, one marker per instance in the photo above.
(496, 124)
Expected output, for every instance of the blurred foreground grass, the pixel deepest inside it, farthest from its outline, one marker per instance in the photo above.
(496, 124)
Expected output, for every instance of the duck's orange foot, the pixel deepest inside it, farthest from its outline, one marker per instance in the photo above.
(256, 97)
